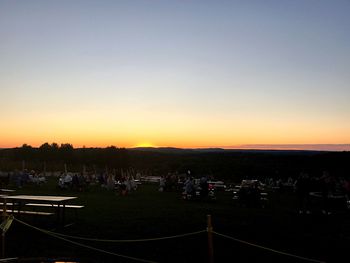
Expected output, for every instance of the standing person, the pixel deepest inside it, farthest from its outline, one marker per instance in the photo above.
(204, 187)
(133, 183)
(110, 182)
(161, 184)
(122, 187)
(189, 188)
(128, 184)
(67, 180)
(75, 182)
(346, 189)
(327, 188)
(255, 194)
(303, 186)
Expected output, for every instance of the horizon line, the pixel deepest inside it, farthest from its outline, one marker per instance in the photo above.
(298, 147)
(290, 147)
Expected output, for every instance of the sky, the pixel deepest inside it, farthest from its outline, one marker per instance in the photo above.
(174, 73)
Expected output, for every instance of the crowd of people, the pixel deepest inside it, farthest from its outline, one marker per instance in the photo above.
(197, 188)
(190, 187)
(326, 188)
(123, 184)
(22, 177)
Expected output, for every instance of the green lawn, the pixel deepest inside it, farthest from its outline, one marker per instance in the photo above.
(148, 213)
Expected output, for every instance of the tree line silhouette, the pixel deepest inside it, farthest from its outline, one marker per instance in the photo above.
(53, 157)
(223, 164)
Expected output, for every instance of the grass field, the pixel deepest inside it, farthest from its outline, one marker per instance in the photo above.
(148, 213)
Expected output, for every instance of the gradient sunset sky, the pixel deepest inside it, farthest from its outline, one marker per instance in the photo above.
(174, 73)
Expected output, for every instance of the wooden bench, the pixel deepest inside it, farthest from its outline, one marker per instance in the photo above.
(8, 260)
(75, 207)
(27, 212)
(7, 204)
(10, 210)
(54, 205)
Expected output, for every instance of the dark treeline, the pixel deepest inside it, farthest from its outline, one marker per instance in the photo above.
(229, 164)
(53, 157)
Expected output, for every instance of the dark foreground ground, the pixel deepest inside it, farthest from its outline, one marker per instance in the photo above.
(148, 213)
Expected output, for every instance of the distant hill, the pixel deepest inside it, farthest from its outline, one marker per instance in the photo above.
(218, 150)
(159, 149)
(273, 148)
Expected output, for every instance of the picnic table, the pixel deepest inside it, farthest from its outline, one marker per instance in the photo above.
(19, 201)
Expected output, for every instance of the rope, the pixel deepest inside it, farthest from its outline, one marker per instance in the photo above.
(127, 240)
(83, 245)
(64, 238)
(269, 249)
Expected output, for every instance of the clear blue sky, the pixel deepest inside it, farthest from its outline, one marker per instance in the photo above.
(174, 73)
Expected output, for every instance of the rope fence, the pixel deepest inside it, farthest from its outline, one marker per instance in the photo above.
(268, 249)
(83, 245)
(209, 230)
(127, 240)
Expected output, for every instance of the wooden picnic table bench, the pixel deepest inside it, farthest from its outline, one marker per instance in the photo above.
(54, 205)
(44, 205)
(14, 211)
(19, 201)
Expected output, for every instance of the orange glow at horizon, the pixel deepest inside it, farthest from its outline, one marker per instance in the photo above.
(91, 128)
(145, 144)
(164, 138)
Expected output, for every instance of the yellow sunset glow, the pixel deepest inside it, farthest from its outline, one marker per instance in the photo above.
(145, 144)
